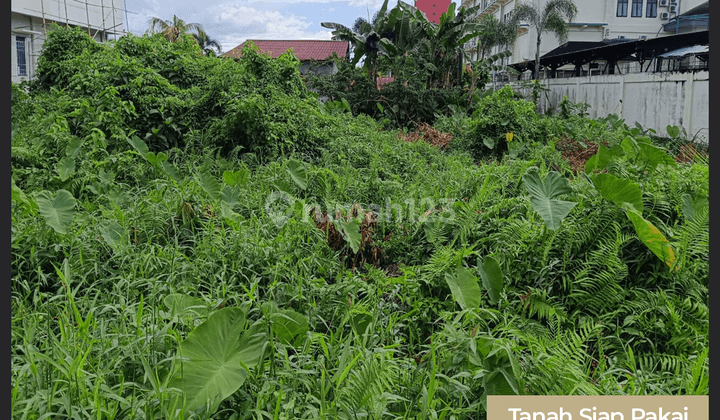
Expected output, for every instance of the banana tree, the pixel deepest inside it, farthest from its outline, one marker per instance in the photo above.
(365, 46)
(406, 35)
(446, 41)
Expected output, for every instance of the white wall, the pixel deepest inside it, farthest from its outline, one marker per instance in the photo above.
(655, 100)
(592, 12)
(32, 19)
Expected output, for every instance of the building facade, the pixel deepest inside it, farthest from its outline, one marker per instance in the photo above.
(433, 9)
(31, 20)
(596, 21)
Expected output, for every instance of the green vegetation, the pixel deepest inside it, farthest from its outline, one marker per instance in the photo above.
(196, 237)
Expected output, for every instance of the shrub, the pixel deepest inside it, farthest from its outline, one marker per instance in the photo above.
(398, 104)
(496, 115)
(62, 45)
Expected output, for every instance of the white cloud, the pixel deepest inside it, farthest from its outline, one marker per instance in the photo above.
(233, 24)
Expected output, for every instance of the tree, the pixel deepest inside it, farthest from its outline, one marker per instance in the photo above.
(554, 17)
(494, 32)
(210, 47)
(480, 71)
(405, 38)
(446, 41)
(173, 29)
(366, 43)
(362, 26)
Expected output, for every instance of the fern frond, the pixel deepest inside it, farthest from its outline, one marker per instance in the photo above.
(367, 383)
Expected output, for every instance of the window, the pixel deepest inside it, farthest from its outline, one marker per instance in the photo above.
(651, 10)
(622, 8)
(22, 66)
(637, 8)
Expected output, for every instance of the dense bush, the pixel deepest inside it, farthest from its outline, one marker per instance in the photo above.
(400, 104)
(171, 95)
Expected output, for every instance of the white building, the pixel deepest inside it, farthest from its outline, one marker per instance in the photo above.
(596, 21)
(31, 21)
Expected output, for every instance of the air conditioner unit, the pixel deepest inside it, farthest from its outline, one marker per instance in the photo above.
(664, 16)
(663, 3)
(674, 2)
(672, 8)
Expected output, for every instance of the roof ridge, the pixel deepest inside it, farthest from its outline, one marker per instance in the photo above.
(294, 40)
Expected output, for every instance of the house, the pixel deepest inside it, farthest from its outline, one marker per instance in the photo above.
(31, 20)
(315, 55)
(597, 21)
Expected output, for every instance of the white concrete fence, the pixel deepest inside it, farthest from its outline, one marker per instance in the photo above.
(654, 100)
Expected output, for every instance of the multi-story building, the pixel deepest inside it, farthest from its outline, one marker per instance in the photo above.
(433, 9)
(31, 20)
(596, 21)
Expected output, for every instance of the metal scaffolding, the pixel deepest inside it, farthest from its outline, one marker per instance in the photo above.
(100, 18)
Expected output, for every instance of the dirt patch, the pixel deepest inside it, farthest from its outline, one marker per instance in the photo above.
(689, 154)
(370, 251)
(426, 132)
(576, 153)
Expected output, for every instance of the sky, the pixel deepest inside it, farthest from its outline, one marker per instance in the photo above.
(232, 22)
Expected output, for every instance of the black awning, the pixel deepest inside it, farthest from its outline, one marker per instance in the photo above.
(579, 53)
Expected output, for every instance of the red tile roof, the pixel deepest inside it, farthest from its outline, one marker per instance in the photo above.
(303, 49)
(384, 80)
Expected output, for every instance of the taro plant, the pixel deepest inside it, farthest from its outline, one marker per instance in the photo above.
(543, 196)
(215, 358)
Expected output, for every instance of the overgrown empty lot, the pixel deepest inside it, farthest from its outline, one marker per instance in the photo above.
(196, 237)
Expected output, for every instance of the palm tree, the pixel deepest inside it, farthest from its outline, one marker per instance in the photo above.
(494, 32)
(172, 29)
(210, 47)
(554, 17)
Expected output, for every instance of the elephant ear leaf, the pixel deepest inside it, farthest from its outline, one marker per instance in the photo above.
(654, 156)
(350, 231)
(65, 167)
(139, 145)
(209, 184)
(214, 360)
(182, 304)
(298, 173)
(113, 233)
(239, 177)
(286, 324)
(543, 193)
(652, 238)
(622, 192)
(464, 288)
(21, 198)
(492, 278)
(58, 210)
